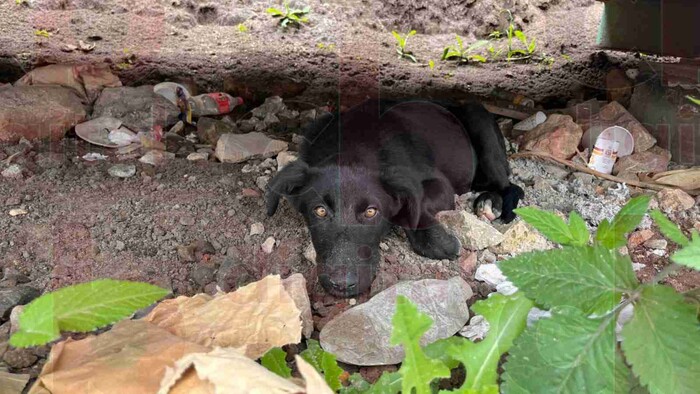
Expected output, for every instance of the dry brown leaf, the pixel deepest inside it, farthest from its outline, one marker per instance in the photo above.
(223, 371)
(253, 319)
(12, 383)
(688, 179)
(295, 285)
(315, 384)
(130, 358)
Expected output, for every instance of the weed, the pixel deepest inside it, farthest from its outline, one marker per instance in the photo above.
(462, 55)
(431, 64)
(242, 28)
(693, 100)
(401, 45)
(294, 16)
(328, 47)
(42, 33)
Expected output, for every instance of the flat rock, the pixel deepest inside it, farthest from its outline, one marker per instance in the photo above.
(653, 160)
(19, 295)
(122, 170)
(237, 148)
(13, 171)
(156, 157)
(674, 200)
(558, 135)
(472, 233)
(210, 130)
(477, 329)
(197, 156)
(295, 285)
(38, 112)
(139, 108)
(284, 158)
(360, 335)
(521, 238)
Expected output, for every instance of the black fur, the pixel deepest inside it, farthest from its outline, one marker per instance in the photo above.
(407, 160)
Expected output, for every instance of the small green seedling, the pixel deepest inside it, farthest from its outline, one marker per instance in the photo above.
(294, 16)
(242, 28)
(462, 55)
(693, 100)
(401, 46)
(42, 33)
(431, 64)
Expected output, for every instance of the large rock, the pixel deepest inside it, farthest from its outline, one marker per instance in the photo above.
(361, 335)
(472, 233)
(295, 285)
(20, 295)
(614, 114)
(237, 148)
(38, 112)
(654, 160)
(209, 130)
(521, 238)
(139, 108)
(558, 136)
(674, 200)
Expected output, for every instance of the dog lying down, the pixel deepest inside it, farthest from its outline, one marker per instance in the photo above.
(384, 164)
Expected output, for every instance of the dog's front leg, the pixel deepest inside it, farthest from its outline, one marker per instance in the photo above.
(432, 240)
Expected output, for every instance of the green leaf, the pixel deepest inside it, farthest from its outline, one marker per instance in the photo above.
(693, 100)
(507, 317)
(400, 40)
(477, 58)
(592, 279)
(82, 308)
(567, 353)
(274, 12)
(578, 229)
(417, 370)
(388, 383)
(324, 362)
(431, 64)
(549, 224)
(438, 350)
(668, 228)
(451, 54)
(275, 361)
(411, 33)
(690, 254)
(460, 43)
(661, 342)
(532, 46)
(521, 36)
(613, 235)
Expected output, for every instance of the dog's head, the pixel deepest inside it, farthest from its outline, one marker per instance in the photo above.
(347, 211)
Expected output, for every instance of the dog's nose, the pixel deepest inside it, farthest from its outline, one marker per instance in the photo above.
(346, 285)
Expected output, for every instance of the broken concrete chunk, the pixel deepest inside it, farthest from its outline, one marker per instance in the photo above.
(674, 200)
(558, 136)
(472, 233)
(237, 148)
(361, 335)
(139, 108)
(521, 238)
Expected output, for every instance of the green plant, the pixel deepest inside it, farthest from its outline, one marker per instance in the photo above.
(324, 363)
(242, 28)
(401, 45)
(294, 16)
(82, 308)
(693, 100)
(462, 55)
(42, 33)
(431, 64)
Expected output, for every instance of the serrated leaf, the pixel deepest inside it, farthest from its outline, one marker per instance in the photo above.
(690, 254)
(578, 229)
(549, 224)
(388, 383)
(275, 361)
(438, 350)
(82, 308)
(417, 370)
(507, 317)
(324, 362)
(668, 228)
(567, 353)
(592, 279)
(613, 235)
(661, 342)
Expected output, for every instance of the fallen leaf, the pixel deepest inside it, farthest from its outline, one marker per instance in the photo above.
(12, 383)
(315, 384)
(688, 179)
(223, 370)
(132, 356)
(253, 319)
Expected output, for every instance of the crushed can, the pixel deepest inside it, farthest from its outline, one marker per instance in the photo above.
(213, 104)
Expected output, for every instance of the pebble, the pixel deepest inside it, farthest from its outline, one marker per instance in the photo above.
(14, 318)
(656, 244)
(122, 170)
(156, 157)
(19, 358)
(203, 275)
(12, 201)
(187, 221)
(120, 246)
(673, 200)
(310, 253)
(472, 233)
(13, 171)
(197, 156)
(284, 158)
(262, 182)
(268, 245)
(18, 212)
(257, 229)
(477, 328)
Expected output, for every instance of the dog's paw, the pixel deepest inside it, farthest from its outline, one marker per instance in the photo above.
(488, 205)
(434, 243)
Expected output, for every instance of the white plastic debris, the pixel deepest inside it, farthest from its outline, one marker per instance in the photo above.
(477, 328)
(94, 156)
(122, 136)
(491, 274)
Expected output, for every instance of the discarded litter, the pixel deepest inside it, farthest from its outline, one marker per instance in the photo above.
(213, 104)
(530, 123)
(122, 136)
(169, 91)
(94, 156)
(615, 133)
(604, 155)
(97, 131)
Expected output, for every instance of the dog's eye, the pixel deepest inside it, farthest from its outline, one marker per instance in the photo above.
(370, 213)
(321, 212)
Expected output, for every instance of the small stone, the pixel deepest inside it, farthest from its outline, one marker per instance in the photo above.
(197, 156)
(352, 302)
(202, 275)
(237, 148)
(648, 161)
(383, 246)
(257, 229)
(491, 274)
(122, 170)
(187, 221)
(476, 330)
(14, 318)
(120, 245)
(19, 358)
(12, 201)
(660, 244)
(346, 335)
(14, 171)
(271, 106)
(674, 200)
(295, 285)
(639, 237)
(487, 256)
(248, 192)
(156, 157)
(310, 253)
(232, 273)
(284, 158)
(638, 267)
(472, 233)
(18, 212)
(521, 238)
(19, 295)
(506, 288)
(210, 130)
(268, 245)
(262, 182)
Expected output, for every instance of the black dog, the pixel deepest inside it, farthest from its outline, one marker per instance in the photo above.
(382, 164)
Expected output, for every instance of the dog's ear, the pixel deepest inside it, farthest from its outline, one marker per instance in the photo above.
(286, 183)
